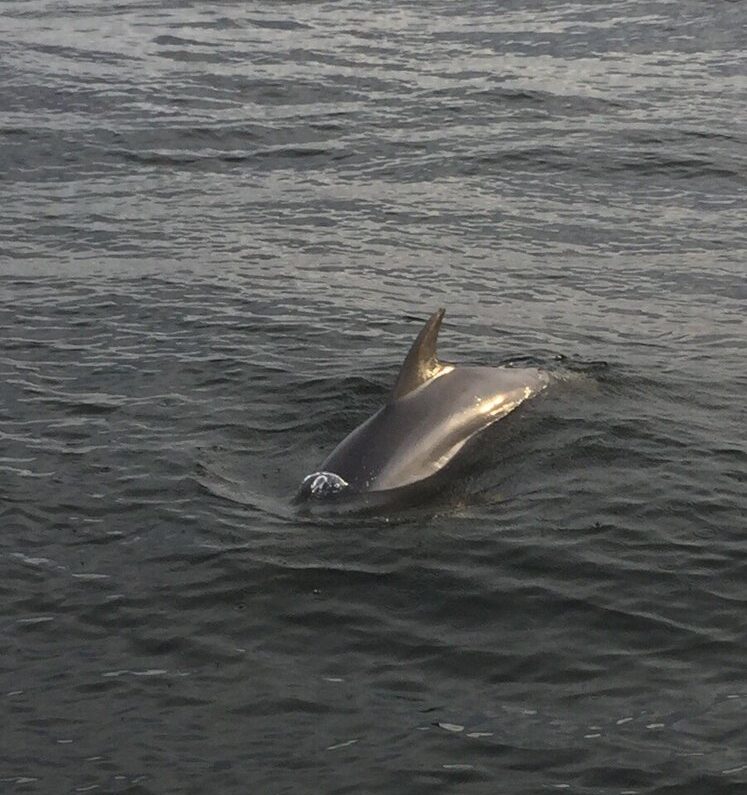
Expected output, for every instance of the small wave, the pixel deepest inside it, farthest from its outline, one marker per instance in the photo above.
(189, 157)
(168, 39)
(279, 24)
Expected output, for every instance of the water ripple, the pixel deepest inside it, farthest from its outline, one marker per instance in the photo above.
(221, 229)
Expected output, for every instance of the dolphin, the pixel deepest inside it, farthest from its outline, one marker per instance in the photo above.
(433, 411)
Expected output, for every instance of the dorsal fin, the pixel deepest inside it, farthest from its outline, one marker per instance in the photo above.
(421, 363)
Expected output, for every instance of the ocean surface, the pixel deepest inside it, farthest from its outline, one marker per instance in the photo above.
(221, 227)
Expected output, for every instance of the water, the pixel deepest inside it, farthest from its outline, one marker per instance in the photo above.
(221, 228)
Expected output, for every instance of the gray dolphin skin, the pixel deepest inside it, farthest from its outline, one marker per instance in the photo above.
(434, 410)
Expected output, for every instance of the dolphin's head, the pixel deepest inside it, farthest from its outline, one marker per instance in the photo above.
(322, 486)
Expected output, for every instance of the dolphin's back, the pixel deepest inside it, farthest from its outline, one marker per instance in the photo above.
(414, 436)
